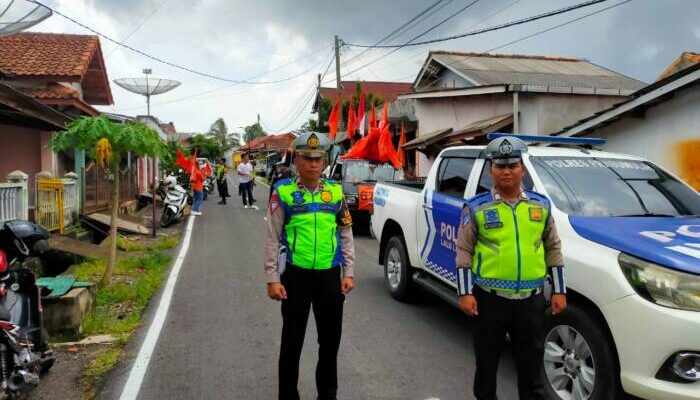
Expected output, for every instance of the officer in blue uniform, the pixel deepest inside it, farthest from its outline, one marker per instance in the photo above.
(506, 246)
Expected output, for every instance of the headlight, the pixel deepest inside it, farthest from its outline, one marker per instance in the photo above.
(351, 199)
(661, 285)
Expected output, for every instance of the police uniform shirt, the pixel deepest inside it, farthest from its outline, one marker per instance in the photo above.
(468, 234)
(275, 226)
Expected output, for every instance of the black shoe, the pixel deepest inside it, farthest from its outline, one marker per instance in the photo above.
(221, 202)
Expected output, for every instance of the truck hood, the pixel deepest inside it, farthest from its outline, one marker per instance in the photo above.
(673, 242)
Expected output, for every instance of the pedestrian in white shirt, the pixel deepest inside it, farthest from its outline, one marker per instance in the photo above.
(245, 180)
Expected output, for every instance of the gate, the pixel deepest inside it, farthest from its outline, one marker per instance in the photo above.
(97, 189)
(49, 204)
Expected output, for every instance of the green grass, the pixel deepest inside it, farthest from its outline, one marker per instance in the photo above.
(164, 243)
(101, 364)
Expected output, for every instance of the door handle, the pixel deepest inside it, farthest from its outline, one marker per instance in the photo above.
(427, 207)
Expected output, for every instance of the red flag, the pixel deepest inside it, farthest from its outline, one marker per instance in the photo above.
(387, 153)
(352, 123)
(372, 118)
(361, 111)
(366, 148)
(181, 160)
(334, 119)
(401, 153)
(192, 163)
(385, 116)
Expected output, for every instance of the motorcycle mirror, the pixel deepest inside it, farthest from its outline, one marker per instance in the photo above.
(3, 262)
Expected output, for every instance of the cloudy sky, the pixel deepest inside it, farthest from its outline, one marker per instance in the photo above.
(291, 40)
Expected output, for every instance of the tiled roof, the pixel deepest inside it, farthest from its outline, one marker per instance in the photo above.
(687, 59)
(388, 90)
(168, 128)
(54, 91)
(32, 54)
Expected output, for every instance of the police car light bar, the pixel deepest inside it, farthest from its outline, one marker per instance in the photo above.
(550, 139)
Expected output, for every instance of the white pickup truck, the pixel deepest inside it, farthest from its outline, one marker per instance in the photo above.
(631, 240)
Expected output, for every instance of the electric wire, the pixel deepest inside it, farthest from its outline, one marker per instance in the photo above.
(160, 60)
(485, 30)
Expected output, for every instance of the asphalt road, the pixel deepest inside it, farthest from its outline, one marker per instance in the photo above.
(222, 334)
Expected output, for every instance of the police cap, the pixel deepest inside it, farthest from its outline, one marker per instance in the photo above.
(505, 150)
(311, 144)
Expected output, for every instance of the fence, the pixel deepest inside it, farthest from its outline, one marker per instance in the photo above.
(98, 188)
(14, 197)
(56, 201)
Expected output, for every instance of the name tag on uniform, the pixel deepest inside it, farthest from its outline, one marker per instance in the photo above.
(536, 213)
(493, 219)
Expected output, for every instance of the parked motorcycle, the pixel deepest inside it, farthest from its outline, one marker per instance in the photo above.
(24, 345)
(208, 186)
(175, 198)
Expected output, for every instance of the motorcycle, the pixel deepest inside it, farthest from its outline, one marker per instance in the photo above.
(24, 344)
(208, 186)
(174, 197)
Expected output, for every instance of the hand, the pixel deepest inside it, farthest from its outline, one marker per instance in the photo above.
(347, 285)
(467, 304)
(276, 291)
(558, 303)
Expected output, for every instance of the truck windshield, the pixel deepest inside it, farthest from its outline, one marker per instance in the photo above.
(614, 187)
(364, 171)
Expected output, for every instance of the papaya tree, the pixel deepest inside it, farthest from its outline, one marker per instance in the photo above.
(107, 142)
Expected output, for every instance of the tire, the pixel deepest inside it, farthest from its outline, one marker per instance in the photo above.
(190, 199)
(576, 341)
(167, 218)
(397, 270)
(204, 195)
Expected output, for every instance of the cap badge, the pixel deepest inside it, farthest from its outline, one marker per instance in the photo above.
(505, 148)
(313, 142)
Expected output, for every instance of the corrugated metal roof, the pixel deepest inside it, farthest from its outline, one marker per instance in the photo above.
(488, 69)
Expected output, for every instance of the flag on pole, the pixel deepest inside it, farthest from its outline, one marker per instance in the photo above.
(401, 153)
(334, 119)
(372, 117)
(387, 153)
(384, 121)
(361, 111)
(352, 122)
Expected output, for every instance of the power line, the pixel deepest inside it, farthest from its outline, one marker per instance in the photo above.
(414, 38)
(160, 60)
(557, 26)
(489, 29)
(155, 10)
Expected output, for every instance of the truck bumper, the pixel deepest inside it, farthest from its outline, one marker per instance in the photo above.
(646, 335)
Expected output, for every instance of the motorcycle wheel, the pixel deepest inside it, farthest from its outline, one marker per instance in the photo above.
(167, 218)
(204, 194)
(190, 200)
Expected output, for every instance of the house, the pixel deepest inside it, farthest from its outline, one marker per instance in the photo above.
(387, 90)
(459, 97)
(659, 122)
(62, 72)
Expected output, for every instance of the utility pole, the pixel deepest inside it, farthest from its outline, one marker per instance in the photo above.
(318, 104)
(339, 85)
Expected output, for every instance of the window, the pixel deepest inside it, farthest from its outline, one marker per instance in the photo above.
(613, 187)
(453, 174)
(486, 182)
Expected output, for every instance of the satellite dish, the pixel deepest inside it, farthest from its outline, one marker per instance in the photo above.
(147, 86)
(18, 15)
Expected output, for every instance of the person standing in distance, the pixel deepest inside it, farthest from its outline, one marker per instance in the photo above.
(309, 260)
(221, 184)
(506, 245)
(245, 181)
(197, 179)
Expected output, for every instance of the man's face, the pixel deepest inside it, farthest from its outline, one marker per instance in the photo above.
(309, 168)
(507, 176)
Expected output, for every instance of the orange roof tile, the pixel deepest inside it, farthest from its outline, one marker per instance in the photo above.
(388, 90)
(55, 91)
(32, 54)
(686, 60)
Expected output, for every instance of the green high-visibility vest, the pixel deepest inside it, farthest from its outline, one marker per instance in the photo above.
(509, 253)
(311, 230)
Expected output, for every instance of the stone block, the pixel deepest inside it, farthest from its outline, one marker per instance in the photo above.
(64, 315)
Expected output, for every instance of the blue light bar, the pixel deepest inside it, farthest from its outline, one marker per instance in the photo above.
(549, 139)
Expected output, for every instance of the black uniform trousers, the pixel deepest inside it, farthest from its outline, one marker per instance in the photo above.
(319, 289)
(524, 321)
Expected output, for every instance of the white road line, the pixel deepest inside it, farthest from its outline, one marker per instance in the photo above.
(138, 370)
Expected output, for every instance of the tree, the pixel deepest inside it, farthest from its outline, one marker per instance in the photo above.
(207, 147)
(108, 142)
(253, 131)
(220, 132)
(309, 126)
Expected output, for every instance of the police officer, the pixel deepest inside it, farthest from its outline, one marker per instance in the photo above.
(506, 246)
(309, 261)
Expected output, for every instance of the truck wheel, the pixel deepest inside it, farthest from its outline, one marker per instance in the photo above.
(579, 361)
(397, 271)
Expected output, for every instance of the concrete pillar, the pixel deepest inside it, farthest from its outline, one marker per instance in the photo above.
(21, 178)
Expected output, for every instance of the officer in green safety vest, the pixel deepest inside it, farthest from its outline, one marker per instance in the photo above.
(309, 259)
(506, 246)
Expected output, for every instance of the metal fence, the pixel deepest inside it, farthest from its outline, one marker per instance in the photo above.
(14, 197)
(57, 201)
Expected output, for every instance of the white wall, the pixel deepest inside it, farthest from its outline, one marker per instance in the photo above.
(656, 136)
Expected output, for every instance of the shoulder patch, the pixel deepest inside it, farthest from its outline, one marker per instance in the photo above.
(537, 197)
(480, 199)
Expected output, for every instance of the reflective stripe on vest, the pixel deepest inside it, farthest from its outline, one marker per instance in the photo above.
(310, 231)
(509, 255)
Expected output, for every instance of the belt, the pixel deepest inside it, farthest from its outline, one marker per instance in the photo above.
(515, 296)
